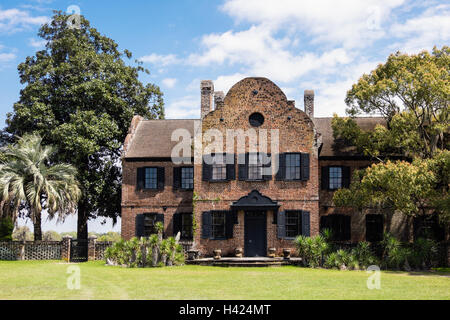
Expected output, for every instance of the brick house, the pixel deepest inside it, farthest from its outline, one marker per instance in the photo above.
(242, 198)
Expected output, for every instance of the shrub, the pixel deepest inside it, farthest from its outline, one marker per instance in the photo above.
(6, 229)
(423, 252)
(312, 250)
(136, 252)
(363, 255)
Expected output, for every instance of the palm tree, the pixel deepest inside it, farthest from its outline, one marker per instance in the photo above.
(27, 178)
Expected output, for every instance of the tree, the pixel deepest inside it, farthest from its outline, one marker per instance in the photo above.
(416, 188)
(81, 95)
(22, 234)
(412, 93)
(52, 236)
(28, 177)
(109, 237)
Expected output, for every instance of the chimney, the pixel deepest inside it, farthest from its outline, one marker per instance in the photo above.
(309, 103)
(219, 97)
(207, 93)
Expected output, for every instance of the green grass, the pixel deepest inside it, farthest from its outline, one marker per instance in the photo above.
(47, 280)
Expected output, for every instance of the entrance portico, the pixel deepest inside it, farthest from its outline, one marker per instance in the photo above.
(255, 207)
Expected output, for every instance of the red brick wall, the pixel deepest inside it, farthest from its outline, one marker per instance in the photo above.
(296, 134)
(135, 201)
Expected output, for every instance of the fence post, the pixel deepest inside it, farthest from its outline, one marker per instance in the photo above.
(65, 248)
(91, 247)
(22, 250)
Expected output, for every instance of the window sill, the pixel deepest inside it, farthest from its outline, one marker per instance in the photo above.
(218, 181)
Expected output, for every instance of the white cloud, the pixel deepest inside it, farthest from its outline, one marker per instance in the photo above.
(431, 28)
(330, 93)
(37, 43)
(7, 57)
(348, 23)
(160, 60)
(224, 83)
(169, 82)
(187, 107)
(15, 20)
(264, 55)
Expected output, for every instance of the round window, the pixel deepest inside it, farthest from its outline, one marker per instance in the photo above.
(256, 119)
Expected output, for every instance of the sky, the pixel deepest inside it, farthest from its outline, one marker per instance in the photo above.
(323, 45)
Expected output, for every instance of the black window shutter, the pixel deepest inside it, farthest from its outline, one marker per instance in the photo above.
(234, 214)
(243, 167)
(206, 225)
(345, 177)
(176, 221)
(206, 171)
(304, 163)
(325, 178)
(231, 168)
(229, 224)
(177, 178)
(160, 218)
(347, 228)
(161, 178)
(306, 223)
(325, 223)
(268, 177)
(281, 225)
(139, 225)
(281, 174)
(140, 178)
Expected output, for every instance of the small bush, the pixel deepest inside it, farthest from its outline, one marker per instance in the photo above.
(145, 252)
(312, 250)
(363, 255)
(6, 229)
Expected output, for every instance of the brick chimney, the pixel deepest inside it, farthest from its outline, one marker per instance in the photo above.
(309, 103)
(207, 94)
(219, 97)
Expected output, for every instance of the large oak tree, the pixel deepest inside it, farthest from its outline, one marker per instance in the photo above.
(412, 93)
(80, 95)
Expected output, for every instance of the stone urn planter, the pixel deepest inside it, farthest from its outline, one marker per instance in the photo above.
(192, 254)
(272, 252)
(286, 254)
(217, 254)
(238, 252)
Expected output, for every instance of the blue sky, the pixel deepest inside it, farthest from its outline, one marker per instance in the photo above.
(324, 45)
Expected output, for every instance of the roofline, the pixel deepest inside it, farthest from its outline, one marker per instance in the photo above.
(366, 117)
(169, 120)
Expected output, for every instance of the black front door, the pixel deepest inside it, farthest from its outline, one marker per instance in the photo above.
(255, 234)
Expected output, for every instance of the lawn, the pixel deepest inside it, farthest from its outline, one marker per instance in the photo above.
(48, 280)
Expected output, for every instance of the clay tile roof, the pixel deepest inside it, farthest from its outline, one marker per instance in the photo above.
(330, 147)
(152, 138)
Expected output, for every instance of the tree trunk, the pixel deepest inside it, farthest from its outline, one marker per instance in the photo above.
(82, 226)
(37, 227)
(155, 255)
